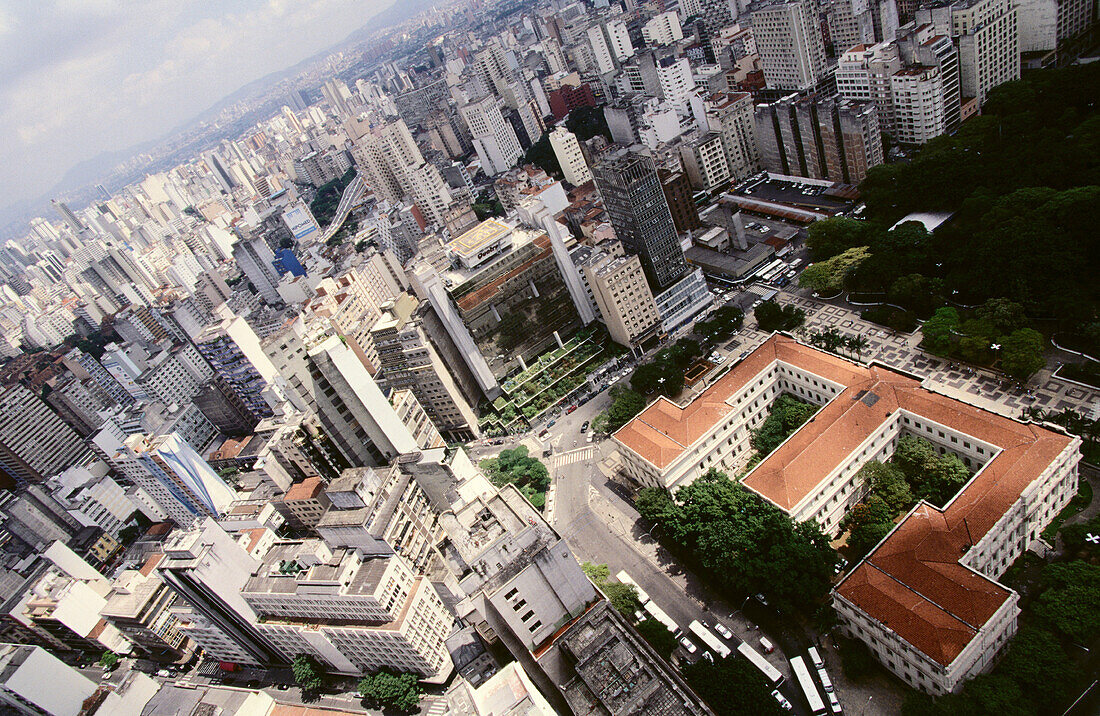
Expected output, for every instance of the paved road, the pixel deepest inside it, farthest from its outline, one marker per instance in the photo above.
(601, 526)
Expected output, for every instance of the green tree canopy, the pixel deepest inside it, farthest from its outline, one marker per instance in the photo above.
(831, 275)
(887, 482)
(933, 477)
(307, 672)
(514, 466)
(787, 414)
(1071, 601)
(939, 330)
(659, 637)
(829, 237)
(1022, 353)
(625, 404)
(389, 690)
(732, 686)
(624, 597)
(726, 321)
(771, 316)
(868, 522)
(745, 542)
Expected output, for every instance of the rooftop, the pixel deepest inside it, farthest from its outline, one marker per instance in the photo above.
(307, 489)
(475, 239)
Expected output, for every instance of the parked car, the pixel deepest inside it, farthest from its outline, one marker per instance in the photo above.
(818, 662)
(552, 423)
(766, 645)
(722, 630)
(689, 647)
(584, 427)
(570, 409)
(786, 705)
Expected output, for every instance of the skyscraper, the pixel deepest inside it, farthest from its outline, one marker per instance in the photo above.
(636, 205)
(494, 139)
(254, 258)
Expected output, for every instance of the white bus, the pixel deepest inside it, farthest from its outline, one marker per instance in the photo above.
(709, 639)
(625, 579)
(809, 688)
(770, 672)
(659, 614)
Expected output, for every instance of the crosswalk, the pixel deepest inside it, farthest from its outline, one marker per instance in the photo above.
(573, 456)
(438, 708)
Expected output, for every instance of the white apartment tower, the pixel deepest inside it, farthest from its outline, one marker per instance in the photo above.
(986, 34)
(568, 152)
(493, 137)
(790, 45)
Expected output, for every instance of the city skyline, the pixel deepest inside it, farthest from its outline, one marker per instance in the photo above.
(98, 91)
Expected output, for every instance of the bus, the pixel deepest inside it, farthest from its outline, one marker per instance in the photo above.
(770, 672)
(659, 614)
(770, 270)
(625, 579)
(809, 688)
(709, 639)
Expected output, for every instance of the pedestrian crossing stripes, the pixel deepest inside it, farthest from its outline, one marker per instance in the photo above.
(573, 456)
(438, 708)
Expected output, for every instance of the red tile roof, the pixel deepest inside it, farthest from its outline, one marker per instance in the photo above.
(913, 583)
(307, 489)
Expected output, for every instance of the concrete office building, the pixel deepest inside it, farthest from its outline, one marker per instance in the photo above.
(356, 415)
(170, 471)
(256, 261)
(207, 569)
(568, 152)
(933, 627)
(703, 157)
(33, 681)
(233, 350)
(357, 614)
(499, 271)
(1050, 29)
(790, 45)
(663, 29)
(407, 360)
(140, 606)
(35, 442)
(635, 204)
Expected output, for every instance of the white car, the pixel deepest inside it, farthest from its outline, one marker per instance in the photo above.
(782, 700)
(689, 647)
(723, 631)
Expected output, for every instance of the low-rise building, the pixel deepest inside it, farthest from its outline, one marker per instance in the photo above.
(925, 600)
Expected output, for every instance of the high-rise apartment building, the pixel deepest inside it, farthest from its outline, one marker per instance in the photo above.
(636, 207)
(233, 350)
(850, 23)
(34, 681)
(730, 114)
(817, 138)
(378, 613)
(790, 45)
(663, 29)
(986, 34)
(35, 443)
(176, 477)
(256, 261)
(407, 360)
(681, 199)
(394, 167)
(494, 139)
(1048, 26)
(568, 152)
(355, 413)
(704, 160)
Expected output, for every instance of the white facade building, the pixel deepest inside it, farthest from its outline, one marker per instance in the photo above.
(568, 152)
(790, 45)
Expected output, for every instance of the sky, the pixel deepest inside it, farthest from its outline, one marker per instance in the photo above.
(81, 77)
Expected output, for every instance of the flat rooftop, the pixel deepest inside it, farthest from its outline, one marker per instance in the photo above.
(913, 582)
(475, 239)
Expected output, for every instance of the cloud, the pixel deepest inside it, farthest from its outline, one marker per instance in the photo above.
(81, 77)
